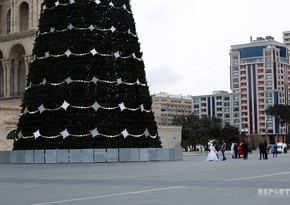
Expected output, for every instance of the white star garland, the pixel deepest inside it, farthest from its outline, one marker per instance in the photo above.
(93, 133)
(68, 53)
(36, 134)
(94, 80)
(98, 2)
(64, 134)
(125, 133)
(96, 106)
(91, 28)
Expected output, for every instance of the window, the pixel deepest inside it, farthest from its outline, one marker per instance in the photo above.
(227, 109)
(11, 135)
(236, 121)
(227, 115)
(24, 16)
(8, 23)
(236, 97)
(236, 115)
(226, 104)
(261, 94)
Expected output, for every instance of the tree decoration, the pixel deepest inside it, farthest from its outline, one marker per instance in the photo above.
(86, 86)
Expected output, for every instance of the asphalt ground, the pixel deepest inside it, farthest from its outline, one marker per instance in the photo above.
(191, 181)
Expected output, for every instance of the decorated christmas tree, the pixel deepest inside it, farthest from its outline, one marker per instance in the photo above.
(86, 86)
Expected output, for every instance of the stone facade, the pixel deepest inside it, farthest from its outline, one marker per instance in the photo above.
(170, 136)
(18, 25)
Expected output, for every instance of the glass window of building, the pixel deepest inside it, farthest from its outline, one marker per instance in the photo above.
(227, 109)
(236, 115)
(226, 104)
(227, 115)
(236, 121)
(196, 100)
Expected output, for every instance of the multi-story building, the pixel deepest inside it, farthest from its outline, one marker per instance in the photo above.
(220, 104)
(18, 25)
(260, 74)
(166, 106)
(286, 38)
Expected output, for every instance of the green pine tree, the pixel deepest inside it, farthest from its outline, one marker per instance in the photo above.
(86, 86)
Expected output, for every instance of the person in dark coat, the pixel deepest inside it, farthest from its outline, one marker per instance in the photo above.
(262, 151)
(236, 150)
(266, 150)
(245, 149)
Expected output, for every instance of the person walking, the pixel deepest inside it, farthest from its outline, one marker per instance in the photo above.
(233, 150)
(245, 149)
(266, 150)
(212, 155)
(236, 150)
(223, 148)
(275, 150)
(262, 151)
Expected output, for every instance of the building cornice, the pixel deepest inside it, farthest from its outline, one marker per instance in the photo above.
(18, 36)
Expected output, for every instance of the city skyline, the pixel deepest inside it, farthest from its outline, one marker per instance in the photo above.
(186, 43)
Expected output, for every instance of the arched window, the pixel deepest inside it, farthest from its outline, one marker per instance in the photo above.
(11, 135)
(8, 21)
(24, 16)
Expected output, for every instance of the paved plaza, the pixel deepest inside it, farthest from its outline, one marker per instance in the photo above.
(191, 181)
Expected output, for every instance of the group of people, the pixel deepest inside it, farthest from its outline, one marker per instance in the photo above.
(241, 150)
(213, 154)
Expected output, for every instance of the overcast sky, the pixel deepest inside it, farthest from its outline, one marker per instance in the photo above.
(186, 43)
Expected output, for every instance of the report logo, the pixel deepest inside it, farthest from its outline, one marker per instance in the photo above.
(274, 192)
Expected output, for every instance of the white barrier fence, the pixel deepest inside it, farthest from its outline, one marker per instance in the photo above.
(90, 155)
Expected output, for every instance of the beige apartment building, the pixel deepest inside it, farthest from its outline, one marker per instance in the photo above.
(166, 106)
(18, 25)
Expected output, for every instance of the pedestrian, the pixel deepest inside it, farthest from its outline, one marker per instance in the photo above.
(275, 150)
(236, 150)
(262, 151)
(245, 149)
(223, 148)
(212, 155)
(233, 150)
(266, 150)
(240, 149)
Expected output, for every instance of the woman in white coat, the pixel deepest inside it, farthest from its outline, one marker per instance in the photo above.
(233, 150)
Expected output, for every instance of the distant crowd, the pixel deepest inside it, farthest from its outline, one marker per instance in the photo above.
(242, 150)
